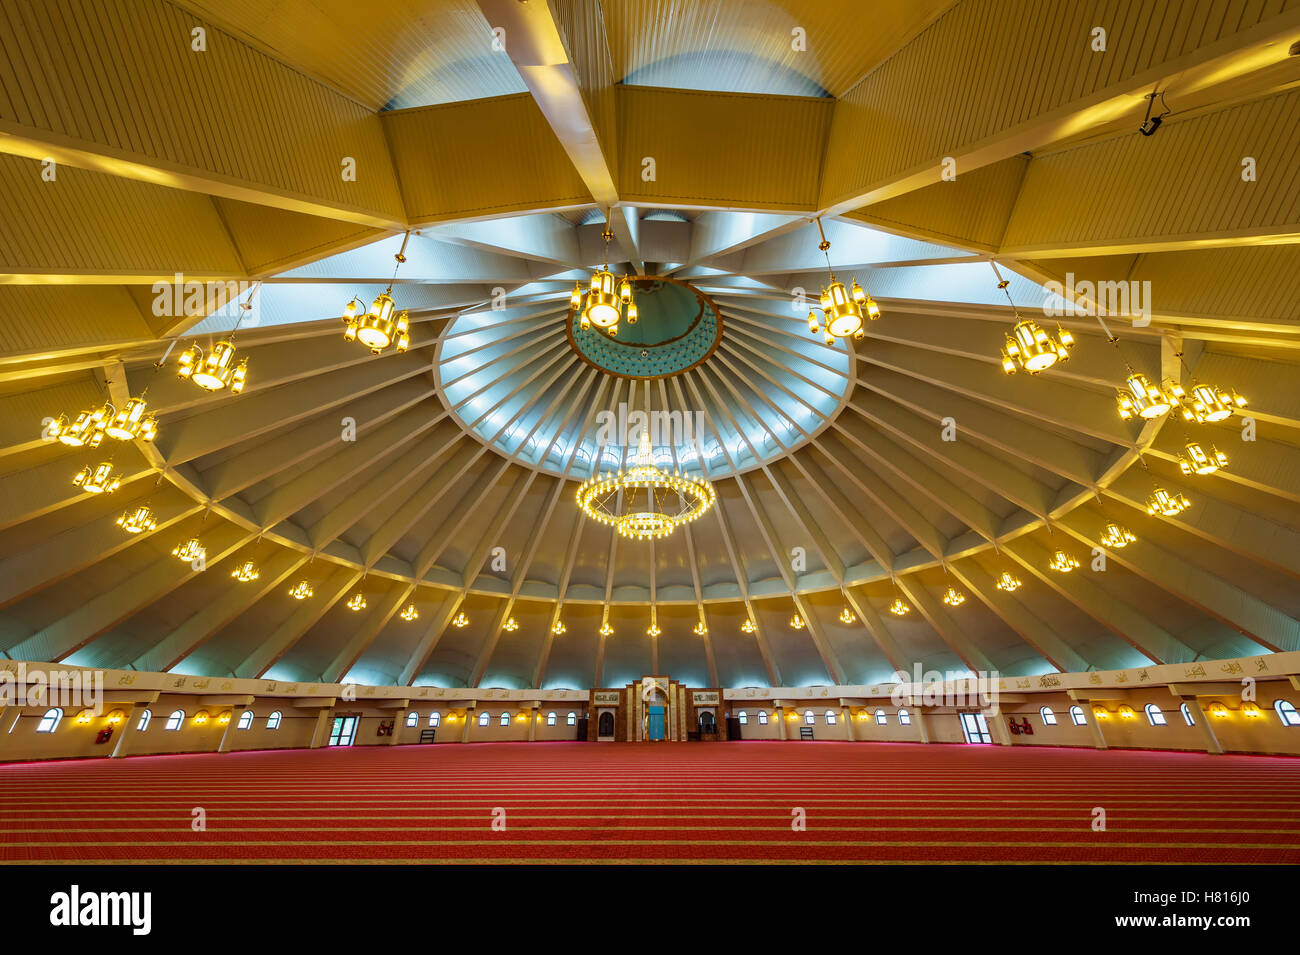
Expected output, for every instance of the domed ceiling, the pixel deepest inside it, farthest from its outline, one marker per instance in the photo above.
(440, 483)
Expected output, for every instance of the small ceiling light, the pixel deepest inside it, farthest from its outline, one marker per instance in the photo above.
(796, 622)
(190, 552)
(954, 597)
(511, 625)
(847, 616)
(460, 621)
(653, 630)
(1029, 347)
(101, 479)
(898, 608)
(246, 572)
(1196, 460)
(301, 590)
(357, 601)
(377, 328)
(1206, 403)
(558, 627)
(410, 613)
(1008, 582)
(1144, 399)
(138, 521)
(1166, 504)
(1062, 562)
(842, 312)
(1117, 536)
(604, 307)
(606, 629)
(701, 629)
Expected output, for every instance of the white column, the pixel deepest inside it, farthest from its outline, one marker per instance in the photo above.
(922, 727)
(1212, 744)
(846, 714)
(321, 732)
(125, 733)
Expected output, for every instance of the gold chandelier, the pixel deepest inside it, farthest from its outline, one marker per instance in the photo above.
(796, 622)
(301, 590)
(215, 370)
(138, 521)
(653, 630)
(748, 626)
(1196, 460)
(953, 597)
(246, 572)
(842, 312)
(1029, 347)
(1008, 582)
(605, 629)
(90, 427)
(898, 608)
(1206, 403)
(1166, 504)
(377, 328)
(511, 625)
(1143, 399)
(460, 621)
(701, 629)
(357, 602)
(603, 306)
(1117, 536)
(192, 550)
(100, 479)
(558, 628)
(654, 502)
(1062, 562)
(847, 616)
(410, 613)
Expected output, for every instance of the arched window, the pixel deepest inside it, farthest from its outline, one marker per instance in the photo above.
(435, 718)
(808, 717)
(505, 719)
(830, 717)
(881, 718)
(550, 718)
(904, 718)
(762, 717)
(273, 721)
(143, 723)
(1286, 712)
(1076, 715)
(50, 720)
(412, 718)
(484, 718)
(1049, 718)
(245, 720)
(1154, 715)
(707, 722)
(1187, 714)
(742, 718)
(175, 720)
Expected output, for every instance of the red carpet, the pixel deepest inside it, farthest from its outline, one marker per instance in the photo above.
(583, 802)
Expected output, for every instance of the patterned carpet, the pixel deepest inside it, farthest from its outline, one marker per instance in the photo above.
(694, 803)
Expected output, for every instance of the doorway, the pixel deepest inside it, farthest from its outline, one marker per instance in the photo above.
(605, 725)
(975, 727)
(656, 723)
(343, 731)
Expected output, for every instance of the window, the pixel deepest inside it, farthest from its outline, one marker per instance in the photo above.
(484, 719)
(1187, 714)
(143, 724)
(904, 718)
(273, 721)
(550, 718)
(808, 717)
(412, 718)
(742, 718)
(762, 717)
(1076, 714)
(571, 719)
(505, 719)
(245, 720)
(1049, 718)
(50, 721)
(435, 718)
(830, 717)
(175, 720)
(881, 718)
(1286, 712)
(1154, 715)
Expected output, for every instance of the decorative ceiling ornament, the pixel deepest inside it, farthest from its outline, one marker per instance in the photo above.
(701, 629)
(511, 625)
(847, 616)
(601, 305)
(748, 626)
(1117, 536)
(953, 597)
(138, 520)
(246, 572)
(796, 622)
(1008, 582)
(191, 551)
(644, 502)
(378, 328)
(653, 630)
(301, 590)
(605, 629)
(100, 479)
(1063, 563)
(410, 613)
(460, 621)
(558, 627)
(842, 312)
(217, 368)
(89, 428)
(1206, 403)
(132, 422)
(1143, 399)
(1165, 504)
(898, 608)
(1029, 348)
(357, 602)
(1196, 460)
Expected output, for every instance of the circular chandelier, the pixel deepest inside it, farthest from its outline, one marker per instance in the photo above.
(1029, 347)
(100, 479)
(216, 369)
(377, 328)
(601, 305)
(843, 312)
(138, 520)
(645, 502)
